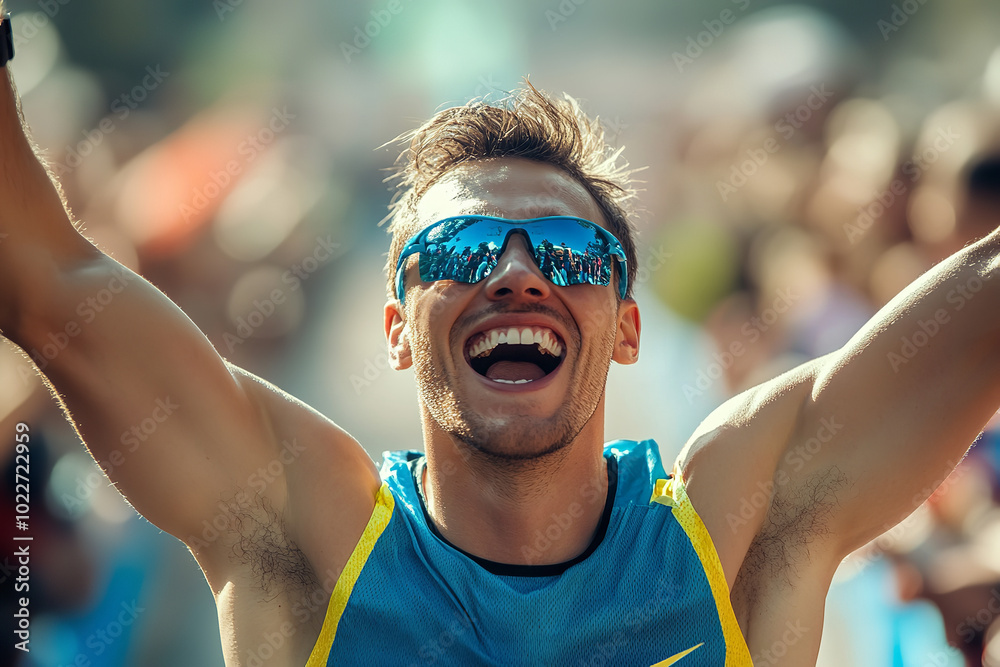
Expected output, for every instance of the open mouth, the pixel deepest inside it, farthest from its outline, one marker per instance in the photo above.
(515, 355)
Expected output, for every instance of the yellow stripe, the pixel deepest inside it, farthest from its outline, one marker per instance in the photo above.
(737, 653)
(384, 504)
(662, 494)
(674, 659)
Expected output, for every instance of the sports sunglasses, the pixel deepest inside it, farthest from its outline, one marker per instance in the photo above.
(466, 249)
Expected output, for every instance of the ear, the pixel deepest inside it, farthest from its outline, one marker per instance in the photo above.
(396, 336)
(627, 338)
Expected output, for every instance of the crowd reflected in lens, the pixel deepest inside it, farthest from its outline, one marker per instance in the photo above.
(468, 249)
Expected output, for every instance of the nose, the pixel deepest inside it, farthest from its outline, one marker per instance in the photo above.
(516, 274)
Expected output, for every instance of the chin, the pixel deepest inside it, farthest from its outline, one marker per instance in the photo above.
(517, 439)
(512, 423)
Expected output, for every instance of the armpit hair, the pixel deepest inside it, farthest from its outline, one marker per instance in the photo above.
(795, 520)
(262, 543)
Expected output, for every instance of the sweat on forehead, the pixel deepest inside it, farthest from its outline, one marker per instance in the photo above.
(509, 188)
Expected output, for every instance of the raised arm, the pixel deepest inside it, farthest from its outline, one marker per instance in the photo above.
(791, 476)
(910, 393)
(175, 427)
(840, 449)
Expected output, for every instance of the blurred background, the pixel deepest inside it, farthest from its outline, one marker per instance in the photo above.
(804, 162)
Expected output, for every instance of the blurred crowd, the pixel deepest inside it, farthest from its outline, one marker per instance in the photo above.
(824, 196)
(803, 165)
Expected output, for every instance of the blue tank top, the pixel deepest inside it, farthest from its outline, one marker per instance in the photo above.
(649, 590)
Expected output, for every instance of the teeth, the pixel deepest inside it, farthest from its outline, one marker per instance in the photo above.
(511, 381)
(545, 339)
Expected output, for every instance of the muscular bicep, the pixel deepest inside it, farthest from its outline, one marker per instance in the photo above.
(176, 428)
(896, 409)
(156, 405)
(732, 463)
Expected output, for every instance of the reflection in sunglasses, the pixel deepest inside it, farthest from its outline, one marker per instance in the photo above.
(467, 249)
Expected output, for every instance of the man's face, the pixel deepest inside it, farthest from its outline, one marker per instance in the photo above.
(514, 402)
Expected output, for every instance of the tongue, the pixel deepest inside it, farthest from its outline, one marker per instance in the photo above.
(514, 370)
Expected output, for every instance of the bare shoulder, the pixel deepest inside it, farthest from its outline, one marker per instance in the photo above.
(312, 497)
(734, 465)
(768, 512)
(282, 534)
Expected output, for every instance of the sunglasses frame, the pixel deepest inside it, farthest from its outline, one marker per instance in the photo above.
(418, 244)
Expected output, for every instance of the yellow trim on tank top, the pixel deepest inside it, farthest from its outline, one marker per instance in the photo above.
(384, 505)
(673, 494)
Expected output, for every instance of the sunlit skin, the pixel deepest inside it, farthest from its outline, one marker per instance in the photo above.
(789, 477)
(501, 456)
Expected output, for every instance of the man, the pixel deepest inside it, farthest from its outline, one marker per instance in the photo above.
(520, 538)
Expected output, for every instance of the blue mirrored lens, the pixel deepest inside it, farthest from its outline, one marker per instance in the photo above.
(464, 250)
(571, 253)
(567, 251)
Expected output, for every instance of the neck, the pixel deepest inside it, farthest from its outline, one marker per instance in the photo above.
(534, 512)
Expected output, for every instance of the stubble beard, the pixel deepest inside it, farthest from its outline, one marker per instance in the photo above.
(501, 434)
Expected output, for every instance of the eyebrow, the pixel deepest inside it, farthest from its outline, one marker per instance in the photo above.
(560, 200)
(532, 211)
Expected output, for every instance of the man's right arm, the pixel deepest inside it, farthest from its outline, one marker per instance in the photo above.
(174, 425)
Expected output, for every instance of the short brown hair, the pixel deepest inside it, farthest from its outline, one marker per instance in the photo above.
(527, 124)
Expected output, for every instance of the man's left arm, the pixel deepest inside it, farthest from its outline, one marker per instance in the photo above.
(895, 410)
